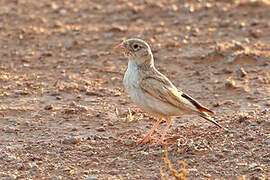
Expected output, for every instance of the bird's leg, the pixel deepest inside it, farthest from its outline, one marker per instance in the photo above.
(161, 140)
(148, 137)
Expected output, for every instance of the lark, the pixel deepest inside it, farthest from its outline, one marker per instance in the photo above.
(153, 92)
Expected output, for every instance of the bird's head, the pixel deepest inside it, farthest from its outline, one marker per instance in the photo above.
(136, 50)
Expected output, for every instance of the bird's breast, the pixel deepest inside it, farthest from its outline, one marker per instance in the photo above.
(131, 79)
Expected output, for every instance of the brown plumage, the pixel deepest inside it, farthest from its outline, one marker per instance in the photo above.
(152, 91)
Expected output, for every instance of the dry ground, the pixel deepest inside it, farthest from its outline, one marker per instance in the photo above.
(65, 115)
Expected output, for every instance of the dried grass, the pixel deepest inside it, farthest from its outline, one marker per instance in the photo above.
(177, 174)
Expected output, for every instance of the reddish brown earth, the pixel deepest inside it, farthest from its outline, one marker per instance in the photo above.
(65, 115)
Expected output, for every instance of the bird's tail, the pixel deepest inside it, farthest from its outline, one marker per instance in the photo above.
(210, 119)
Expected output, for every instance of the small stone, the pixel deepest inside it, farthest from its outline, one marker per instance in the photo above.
(54, 6)
(241, 72)
(171, 14)
(92, 178)
(11, 158)
(66, 148)
(10, 129)
(34, 168)
(128, 142)
(11, 177)
(100, 129)
(219, 155)
(20, 166)
(72, 85)
(73, 104)
(63, 11)
(110, 123)
(49, 107)
(92, 93)
(84, 52)
(194, 32)
(228, 102)
(192, 170)
(70, 140)
(265, 159)
(231, 58)
(21, 92)
(113, 172)
(58, 97)
(117, 28)
(214, 158)
(267, 122)
(227, 71)
(55, 93)
(82, 108)
(250, 138)
(255, 33)
(252, 165)
(242, 117)
(267, 142)
(108, 35)
(230, 83)
(237, 134)
(70, 111)
(225, 23)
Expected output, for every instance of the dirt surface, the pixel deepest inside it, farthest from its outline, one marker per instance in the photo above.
(64, 113)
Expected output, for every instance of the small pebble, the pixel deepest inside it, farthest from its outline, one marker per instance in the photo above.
(66, 148)
(213, 158)
(108, 35)
(21, 92)
(49, 107)
(250, 138)
(55, 93)
(11, 158)
(84, 52)
(192, 170)
(241, 72)
(252, 165)
(70, 140)
(128, 142)
(92, 93)
(117, 28)
(12, 177)
(225, 23)
(20, 166)
(63, 11)
(92, 178)
(100, 129)
(265, 159)
(113, 172)
(72, 85)
(242, 117)
(230, 83)
(10, 129)
(228, 102)
(267, 122)
(267, 142)
(82, 108)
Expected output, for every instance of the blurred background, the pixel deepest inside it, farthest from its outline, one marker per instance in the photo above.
(63, 109)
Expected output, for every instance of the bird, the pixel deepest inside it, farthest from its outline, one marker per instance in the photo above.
(153, 92)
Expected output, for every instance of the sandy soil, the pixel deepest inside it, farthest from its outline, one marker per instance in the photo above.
(64, 113)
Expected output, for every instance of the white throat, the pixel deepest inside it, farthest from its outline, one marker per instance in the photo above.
(133, 64)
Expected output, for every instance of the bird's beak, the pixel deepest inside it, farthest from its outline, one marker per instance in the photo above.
(120, 47)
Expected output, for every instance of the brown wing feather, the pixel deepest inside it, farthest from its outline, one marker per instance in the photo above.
(196, 104)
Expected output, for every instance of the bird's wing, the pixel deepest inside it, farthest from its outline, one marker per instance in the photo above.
(161, 88)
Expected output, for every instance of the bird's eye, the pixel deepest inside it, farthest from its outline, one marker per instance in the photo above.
(135, 46)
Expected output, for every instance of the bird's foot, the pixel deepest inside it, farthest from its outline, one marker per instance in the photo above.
(147, 139)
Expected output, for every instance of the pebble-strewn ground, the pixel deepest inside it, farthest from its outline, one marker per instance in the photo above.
(65, 115)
